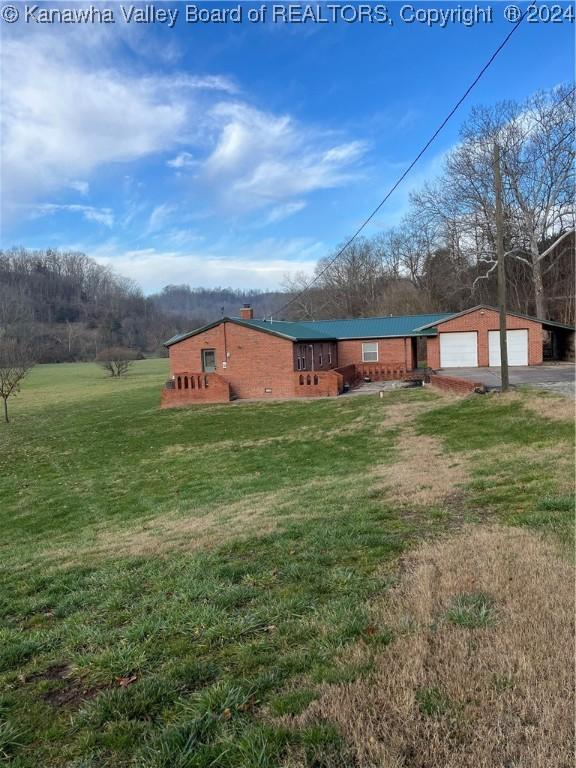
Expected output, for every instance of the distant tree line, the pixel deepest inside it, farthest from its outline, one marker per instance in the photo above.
(64, 306)
(202, 305)
(442, 256)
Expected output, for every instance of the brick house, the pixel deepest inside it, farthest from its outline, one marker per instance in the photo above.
(239, 358)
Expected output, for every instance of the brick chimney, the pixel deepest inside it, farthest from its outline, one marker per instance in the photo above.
(246, 312)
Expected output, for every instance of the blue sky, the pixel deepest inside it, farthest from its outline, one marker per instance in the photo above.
(233, 154)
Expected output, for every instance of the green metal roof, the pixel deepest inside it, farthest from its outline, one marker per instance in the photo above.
(379, 327)
(355, 328)
(285, 329)
(303, 331)
(332, 330)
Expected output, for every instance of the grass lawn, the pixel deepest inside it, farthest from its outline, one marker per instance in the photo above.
(176, 585)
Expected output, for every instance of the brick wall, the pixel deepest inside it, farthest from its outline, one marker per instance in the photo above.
(455, 384)
(318, 384)
(192, 388)
(379, 372)
(255, 361)
(482, 321)
(349, 374)
(392, 353)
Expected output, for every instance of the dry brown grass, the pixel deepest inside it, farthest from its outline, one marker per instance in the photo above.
(501, 695)
(545, 404)
(169, 532)
(552, 407)
(423, 472)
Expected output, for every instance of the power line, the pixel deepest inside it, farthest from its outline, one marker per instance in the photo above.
(413, 163)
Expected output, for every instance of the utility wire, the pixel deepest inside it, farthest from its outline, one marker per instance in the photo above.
(412, 164)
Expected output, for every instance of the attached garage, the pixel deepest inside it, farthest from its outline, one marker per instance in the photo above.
(517, 347)
(459, 350)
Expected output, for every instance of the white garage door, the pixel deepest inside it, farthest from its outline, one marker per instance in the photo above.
(458, 350)
(517, 347)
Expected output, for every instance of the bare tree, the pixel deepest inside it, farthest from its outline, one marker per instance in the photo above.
(15, 361)
(116, 360)
(537, 147)
(352, 285)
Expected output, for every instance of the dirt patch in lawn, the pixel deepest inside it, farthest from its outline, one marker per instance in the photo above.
(68, 690)
(480, 672)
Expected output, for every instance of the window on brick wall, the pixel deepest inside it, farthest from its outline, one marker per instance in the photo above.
(370, 352)
(329, 358)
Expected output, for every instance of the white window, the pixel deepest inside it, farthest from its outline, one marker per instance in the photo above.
(329, 358)
(370, 352)
(320, 360)
(298, 363)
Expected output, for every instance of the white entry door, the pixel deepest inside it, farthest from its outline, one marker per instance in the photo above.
(459, 350)
(517, 347)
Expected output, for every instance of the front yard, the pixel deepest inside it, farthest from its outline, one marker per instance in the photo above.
(222, 586)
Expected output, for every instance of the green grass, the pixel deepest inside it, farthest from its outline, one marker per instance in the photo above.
(471, 610)
(221, 636)
(522, 465)
(432, 702)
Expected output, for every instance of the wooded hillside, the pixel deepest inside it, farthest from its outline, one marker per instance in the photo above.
(67, 307)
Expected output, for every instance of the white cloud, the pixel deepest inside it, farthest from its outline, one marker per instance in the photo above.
(250, 266)
(102, 216)
(62, 118)
(158, 218)
(73, 108)
(281, 212)
(261, 159)
(182, 160)
(80, 186)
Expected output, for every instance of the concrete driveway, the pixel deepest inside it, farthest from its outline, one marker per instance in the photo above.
(557, 378)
